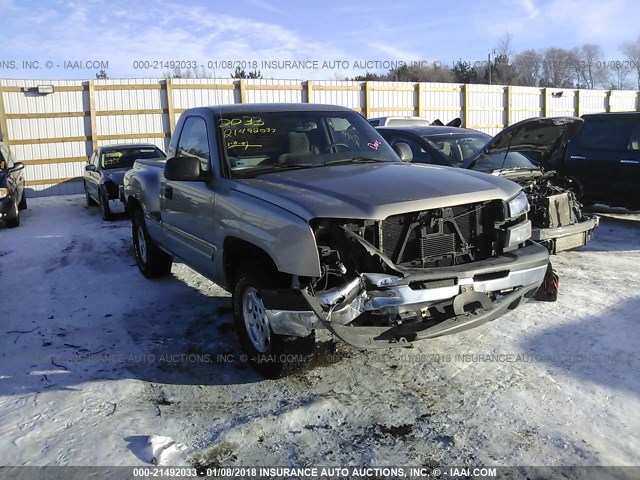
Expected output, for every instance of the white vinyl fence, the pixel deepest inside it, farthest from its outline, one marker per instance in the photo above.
(53, 133)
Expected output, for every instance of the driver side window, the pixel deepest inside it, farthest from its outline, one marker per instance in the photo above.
(194, 141)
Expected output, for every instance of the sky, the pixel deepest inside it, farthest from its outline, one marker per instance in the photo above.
(69, 39)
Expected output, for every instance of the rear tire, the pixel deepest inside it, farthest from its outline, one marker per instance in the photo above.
(274, 356)
(13, 220)
(152, 261)
(23, 201)
(107, 216)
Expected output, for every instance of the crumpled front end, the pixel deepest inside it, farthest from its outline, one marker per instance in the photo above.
(556, 214)
(412, 276)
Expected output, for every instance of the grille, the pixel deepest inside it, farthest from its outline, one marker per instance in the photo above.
(440, 237)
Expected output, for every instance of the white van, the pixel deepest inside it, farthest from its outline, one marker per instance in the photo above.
(398, 121)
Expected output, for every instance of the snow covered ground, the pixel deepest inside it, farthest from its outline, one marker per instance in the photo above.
(95, 359)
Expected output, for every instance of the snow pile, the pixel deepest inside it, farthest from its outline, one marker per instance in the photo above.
(99, 366)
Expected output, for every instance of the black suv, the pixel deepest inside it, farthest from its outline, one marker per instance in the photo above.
(604, 157)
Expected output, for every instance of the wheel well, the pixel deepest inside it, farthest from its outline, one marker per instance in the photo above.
(238, 252)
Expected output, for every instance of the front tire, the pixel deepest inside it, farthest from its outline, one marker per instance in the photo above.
(23, 201)
(273, 355)
(13, 220)
(152, 261)
(107, 216)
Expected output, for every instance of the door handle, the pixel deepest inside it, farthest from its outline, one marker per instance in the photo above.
(577, 157)
(168, 193)
(629, 161)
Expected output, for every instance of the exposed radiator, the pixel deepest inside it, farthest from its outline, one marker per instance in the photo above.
(439, 237)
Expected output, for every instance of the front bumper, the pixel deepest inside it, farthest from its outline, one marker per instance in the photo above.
(425, 303)
(570, 236)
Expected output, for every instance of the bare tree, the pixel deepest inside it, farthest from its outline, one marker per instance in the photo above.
(528, 67)
(504, 46)
(631, 50)
(589, 68)
(619, 77)
(558, 68)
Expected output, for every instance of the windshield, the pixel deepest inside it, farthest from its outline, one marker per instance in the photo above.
(270, 141)
(123, 157)
(457, 147)
(497, 161)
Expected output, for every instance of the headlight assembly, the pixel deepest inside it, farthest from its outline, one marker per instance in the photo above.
(4, 192)
(517, 206)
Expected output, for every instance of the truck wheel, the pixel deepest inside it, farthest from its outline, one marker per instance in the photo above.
(13, 219)
(107, 216)
(90, 201)
(152, 261)
(23, 201)
(272, 355)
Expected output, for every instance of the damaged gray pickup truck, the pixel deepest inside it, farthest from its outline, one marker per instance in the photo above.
(308, 217)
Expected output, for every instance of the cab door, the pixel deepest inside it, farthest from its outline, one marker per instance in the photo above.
(629, 166)
(92, 177)
(595, 156)
(188, 206)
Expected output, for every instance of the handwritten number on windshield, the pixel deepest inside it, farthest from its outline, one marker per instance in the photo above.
(241, 121)
(241, 145)
(235, 132)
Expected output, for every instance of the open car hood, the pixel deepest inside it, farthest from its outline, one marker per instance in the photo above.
(543, 137)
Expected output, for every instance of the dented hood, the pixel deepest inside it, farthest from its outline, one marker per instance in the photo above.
(545, 136)
(374, 191)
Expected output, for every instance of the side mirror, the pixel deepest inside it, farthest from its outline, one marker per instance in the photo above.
(185, 169)
(90, 168)
(403, 151)
(17, 166)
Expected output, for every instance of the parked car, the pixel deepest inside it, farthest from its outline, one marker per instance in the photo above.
(13, 197)
(604, 157)
(556, 213)
(312, 221)
(397, 121)
(104, 172)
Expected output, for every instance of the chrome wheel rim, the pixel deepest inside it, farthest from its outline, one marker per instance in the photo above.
(142, 246)
(255, 320)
